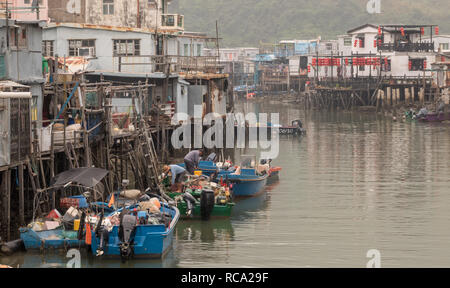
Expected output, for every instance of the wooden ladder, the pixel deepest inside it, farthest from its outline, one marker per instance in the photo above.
(71, 155)
(151, 158)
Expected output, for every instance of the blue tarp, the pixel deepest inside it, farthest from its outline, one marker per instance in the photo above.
(264, 58)
(305, 48)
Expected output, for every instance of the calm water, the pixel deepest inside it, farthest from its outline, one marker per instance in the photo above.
(357, 181)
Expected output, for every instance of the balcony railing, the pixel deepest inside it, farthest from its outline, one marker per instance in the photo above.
(172, 21)
(174, 64)
(406, 47)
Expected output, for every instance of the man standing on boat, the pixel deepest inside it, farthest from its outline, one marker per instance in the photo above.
(192, 159)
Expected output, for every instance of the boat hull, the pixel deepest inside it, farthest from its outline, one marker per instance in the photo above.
(150, 241)
(219, 211)
(441, 117)
(33, 240)
(245, 187)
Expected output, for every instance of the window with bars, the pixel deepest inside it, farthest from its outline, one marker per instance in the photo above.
(127, 47)
(348, 41)
(386, 65)
(82, 48)
(417, 64)
(444, 46)
(108, 7)
(47, 48)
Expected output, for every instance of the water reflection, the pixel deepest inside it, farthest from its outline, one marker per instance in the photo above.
(58, 259)
(357, 181)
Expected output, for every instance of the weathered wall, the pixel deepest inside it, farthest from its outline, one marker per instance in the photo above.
(24, 65)
(27, 14)
(67, 10)
(137, 14)
(104, 59)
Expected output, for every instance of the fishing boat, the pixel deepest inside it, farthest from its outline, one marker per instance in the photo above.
(247, 183)
(247, 180)
(435, 117)
(223, 169)
(58, 238)
(203, 199)
(59, 232)
(207, 167)
(140, 233)
(296, 129)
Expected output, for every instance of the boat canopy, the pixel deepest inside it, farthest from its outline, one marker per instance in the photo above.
(88, 177)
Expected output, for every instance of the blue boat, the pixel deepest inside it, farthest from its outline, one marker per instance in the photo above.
(38, 236)
(247, 183)
(137, 240)
(208, 168)
(54, 239)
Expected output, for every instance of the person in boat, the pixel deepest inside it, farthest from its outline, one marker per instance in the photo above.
(176, 172)
(422, 113)
(192, 160)
(441, 107)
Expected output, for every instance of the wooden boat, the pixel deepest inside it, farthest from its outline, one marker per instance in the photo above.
(435, 117)
(50, 239)
(37, 235)
(296, 128)
(247, 183)
(209, 168)
(136, 240)
(222, 207)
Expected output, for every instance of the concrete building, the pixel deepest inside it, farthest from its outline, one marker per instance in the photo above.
(21, 57)
(120, 13)
(378, 50)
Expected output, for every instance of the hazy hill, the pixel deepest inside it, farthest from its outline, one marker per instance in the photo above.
(246, 22)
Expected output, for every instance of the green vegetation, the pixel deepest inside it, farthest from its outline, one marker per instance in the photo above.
(247, 22)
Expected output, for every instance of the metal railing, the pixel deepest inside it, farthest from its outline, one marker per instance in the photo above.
(172, 64)
(406, 47)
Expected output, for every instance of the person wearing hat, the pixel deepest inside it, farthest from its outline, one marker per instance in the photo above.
(175, 171)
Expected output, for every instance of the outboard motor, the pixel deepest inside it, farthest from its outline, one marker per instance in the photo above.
(211, 157)
(190, 202)
(126, 234)
(206, 204)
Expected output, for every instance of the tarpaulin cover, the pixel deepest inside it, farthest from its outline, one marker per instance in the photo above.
(88, 177)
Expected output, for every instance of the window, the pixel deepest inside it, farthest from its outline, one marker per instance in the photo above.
(127, 47)
(47, 48)
(347, 41)
(186, 49)
(329, 46)
(443, 46)
(361, 41)
(108, 7)
(18, 37)
(416, 64)
(199, 49)
(82, 48)
(386, 65)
